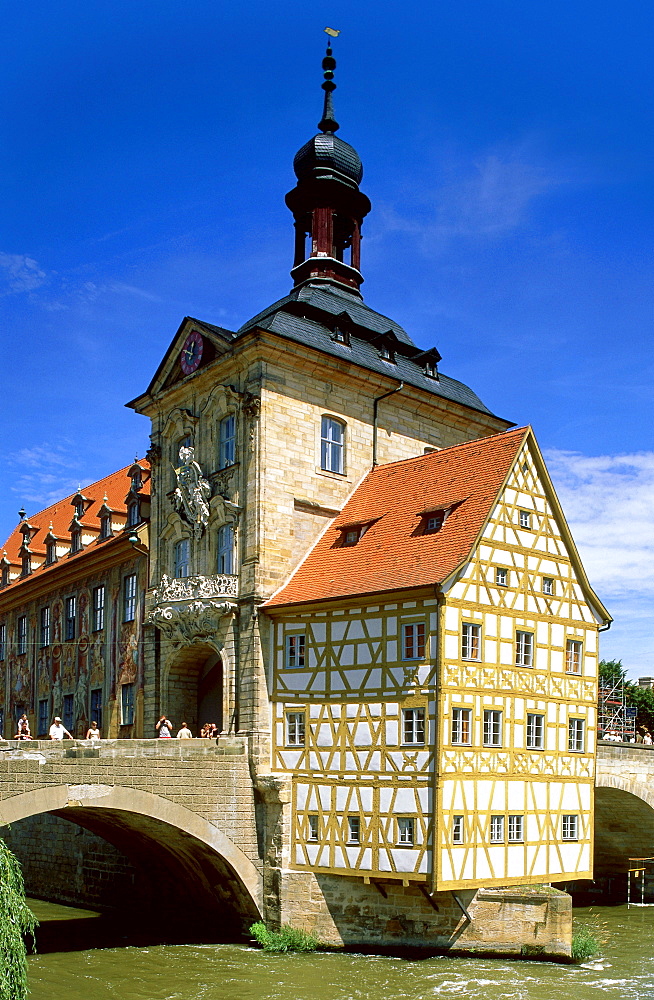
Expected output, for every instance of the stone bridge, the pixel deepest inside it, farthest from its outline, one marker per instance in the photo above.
(187, 813)
(624, 806)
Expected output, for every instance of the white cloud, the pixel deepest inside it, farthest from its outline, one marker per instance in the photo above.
(19, 273)
(41, 475)
(609, 504)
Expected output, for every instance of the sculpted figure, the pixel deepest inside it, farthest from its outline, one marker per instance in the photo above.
(192, 492)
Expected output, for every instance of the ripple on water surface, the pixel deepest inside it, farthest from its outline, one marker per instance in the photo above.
(624, 971)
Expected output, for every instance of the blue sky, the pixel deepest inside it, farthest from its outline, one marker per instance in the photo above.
(507, 150)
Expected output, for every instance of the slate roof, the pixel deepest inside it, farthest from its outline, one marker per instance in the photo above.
(394, 553)
(309, 314)
(115, 487)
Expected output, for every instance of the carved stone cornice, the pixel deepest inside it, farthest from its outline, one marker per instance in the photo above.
(198, 621)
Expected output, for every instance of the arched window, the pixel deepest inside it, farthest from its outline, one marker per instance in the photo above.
(226, 549)
(182, 554)
(332, 445)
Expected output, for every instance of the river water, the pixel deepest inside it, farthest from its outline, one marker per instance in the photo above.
(624, 970)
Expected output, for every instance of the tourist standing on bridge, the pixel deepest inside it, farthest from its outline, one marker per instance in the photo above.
(58, 731)
(23, 729)
(93, 733)
(184, 733)
(165, 728)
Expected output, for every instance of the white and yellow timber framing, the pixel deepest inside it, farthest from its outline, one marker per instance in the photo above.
(522, 814)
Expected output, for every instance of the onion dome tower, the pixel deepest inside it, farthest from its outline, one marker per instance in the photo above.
(327, 204)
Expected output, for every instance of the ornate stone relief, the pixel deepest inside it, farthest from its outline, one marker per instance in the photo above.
(251, 405)
(192, 587)
(192, 493)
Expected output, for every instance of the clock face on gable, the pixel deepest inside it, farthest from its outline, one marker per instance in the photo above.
(191, 355)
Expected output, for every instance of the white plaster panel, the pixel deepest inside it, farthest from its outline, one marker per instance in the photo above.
(324, 736)
(299, 855)
(297, 681)
(356, 678)
(365, 798)
(325, 793)
(483, 869)
(557, 634)
(345, 655)
(355, 630)
(498, 800)
(484, 789)
(351, 762)
(338, 631)
(301, 792)
(391, 652)
(342, 797)
(362, 735)
(506, 627)
(452, 619)
(541, 658)
(506, 654)
(374, 627)
(567, 863)
(490, 625)
(451, 645)
(312, 852)
(405, 801)
(364, 654)
(556, 660)
(447, 873)
(405, 860)
(314, 711)
(319, 630)
(339, 858)
(391, 733)
(490, 651)
(366, 859)
(385, 862)
(542, 632)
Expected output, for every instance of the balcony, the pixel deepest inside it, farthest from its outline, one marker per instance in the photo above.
(190, 609)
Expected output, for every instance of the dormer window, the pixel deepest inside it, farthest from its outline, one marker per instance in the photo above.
(133, 514)
(430, 369)
(79, 507)
(5, 576)
(353, 533)
(386, 353)
(75, 541)
(105, 526)
(137, 480)
(26, 564)
(50, 552)
(433, 521)
(341, 336)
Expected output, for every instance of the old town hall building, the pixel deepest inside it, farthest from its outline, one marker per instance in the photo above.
(337, 551)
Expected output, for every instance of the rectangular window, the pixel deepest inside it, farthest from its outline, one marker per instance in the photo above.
(295, 650)
(70, 620)
(573, 654)
(501, 576)
(413, 725)
(98, 609)
(96, 707)
(21, 638)
(492, 728)
(470, 642)
(133, 514)
(461, 726)
(227, 441)
(182, 559)
(576, 735)
(535, 731)
(295, 729)
(129, 598)
(332, 440)
(570, 827)
(548, 585)
(69, 712)
(457, 830)
(45, 626)
(413, 644)
(354, 830)
(525, 519)
(3, 642)
(50, 553)
(43, 716)
(497, 830)
(126, 705)
(76, 541)
(405, 828)
(313, 827)
(524, 649)
(516, 833)
(105, 526)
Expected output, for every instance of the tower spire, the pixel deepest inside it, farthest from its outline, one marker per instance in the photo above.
(327, 204)
(328, 122)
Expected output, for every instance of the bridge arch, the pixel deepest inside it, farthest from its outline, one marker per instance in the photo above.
(624, 822)
(192, 867)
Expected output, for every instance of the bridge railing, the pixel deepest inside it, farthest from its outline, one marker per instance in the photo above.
(223, 746)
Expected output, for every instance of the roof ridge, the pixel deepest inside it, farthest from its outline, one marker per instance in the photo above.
(455, 447)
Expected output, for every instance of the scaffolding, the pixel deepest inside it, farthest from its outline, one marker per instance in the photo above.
(614, 715)
(639, 868)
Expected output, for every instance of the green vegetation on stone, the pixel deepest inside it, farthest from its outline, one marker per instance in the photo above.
(283, 940)
(584, 944)
(16, 921)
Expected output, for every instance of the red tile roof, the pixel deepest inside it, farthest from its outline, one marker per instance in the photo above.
(115, 487)
(394, 553)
